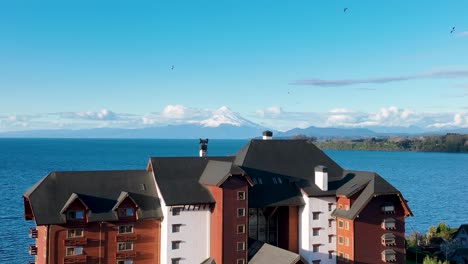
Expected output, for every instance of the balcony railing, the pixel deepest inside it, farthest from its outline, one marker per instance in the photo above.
(126, 237)
(32, 232)
(75, 259)
(79, 241)
(126, 254)
(32, 250)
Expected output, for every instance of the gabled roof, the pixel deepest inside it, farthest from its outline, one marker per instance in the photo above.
(208, 261)
(178, 179)
(371, 185)
(462, 228)
(294, 158)
(266, 254)
(73, 197)
(123, 195)
(272, 190)
(98, 190)
(216, 172)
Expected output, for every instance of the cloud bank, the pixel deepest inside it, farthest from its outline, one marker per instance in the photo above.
(448, 74)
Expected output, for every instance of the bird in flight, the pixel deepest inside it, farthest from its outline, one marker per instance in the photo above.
(345, 9)
(453, 30)
(172, 67)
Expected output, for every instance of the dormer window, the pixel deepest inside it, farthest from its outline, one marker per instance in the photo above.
(388, 255)
(126, 212)
(388, 208)
(388, 223)
(75, 215)
(388, 239)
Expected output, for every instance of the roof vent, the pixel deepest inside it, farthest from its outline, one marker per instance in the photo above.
(267, 135)
(203, 147)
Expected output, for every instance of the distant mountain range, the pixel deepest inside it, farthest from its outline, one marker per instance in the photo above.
(224, 124)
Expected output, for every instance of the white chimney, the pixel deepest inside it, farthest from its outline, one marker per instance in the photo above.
(267, 135)
(321, 177)
(203, 147)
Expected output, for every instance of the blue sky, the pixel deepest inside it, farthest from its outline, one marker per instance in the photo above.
(76, 64)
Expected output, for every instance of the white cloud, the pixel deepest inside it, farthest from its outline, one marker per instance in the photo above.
(463, 34)
(459, 120)
(103, 114)
(272, 111)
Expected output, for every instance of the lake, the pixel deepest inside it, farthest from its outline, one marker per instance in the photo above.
(435, 184)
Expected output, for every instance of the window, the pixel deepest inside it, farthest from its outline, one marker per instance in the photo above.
(240, 196)
(240, 246)
(240, 212)
(388, 208)
(315, 261)
(340, 255)
(388, 223)
(176, 210)
(240, 229)
(73, 251)
(75, 215)
(124, 246)
(126, 212)
(315, 248)
(274, 180)
(71, 233)
(125, 229)
(279, 180)
(346, 257)
(330, 207)
(330, 238)
(124, 261)
(315, 231)
(340, 224)
(175, 260)
(347, 207)
(388, 255)
(340, 206)
(340, 240)
(255, 180)
(330, 222)
(330, 254)
(315, 215)
(388, 239)
(347, 241)
(176, 244)
(346, 224)
(176, 228)
(240, 261)
(260, 180)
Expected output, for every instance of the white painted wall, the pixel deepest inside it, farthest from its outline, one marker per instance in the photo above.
(307, 223)
(304, 245)
(194, 234)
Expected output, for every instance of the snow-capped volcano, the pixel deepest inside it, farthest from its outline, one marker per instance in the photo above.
(225, 116)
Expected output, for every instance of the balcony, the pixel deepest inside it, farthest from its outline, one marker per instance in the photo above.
(32, 250)
(32, 232)
(125, 238)
(75, 259)
(125, 254)
(79, 241)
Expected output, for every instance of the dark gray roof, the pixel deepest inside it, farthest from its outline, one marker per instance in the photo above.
(294, 158)
(216, 172)
(98, 190)
(463, 227)
(266, 254)
(178, 179)
(269, 191)
(371, 185)
(208, 261)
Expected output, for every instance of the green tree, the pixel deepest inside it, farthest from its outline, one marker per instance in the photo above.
(429, 260)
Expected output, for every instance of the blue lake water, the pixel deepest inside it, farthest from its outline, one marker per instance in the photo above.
(435, 184)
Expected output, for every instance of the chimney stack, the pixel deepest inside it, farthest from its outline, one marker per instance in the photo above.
(321, 177)
(203, 147)
(267, 135)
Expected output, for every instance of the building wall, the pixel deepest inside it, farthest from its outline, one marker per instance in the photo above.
(321, 205)
(304, 236)
(216, 225)
(194, 234)
(307, 224)
(288, 228)
(231, 203)
(99, 242)
(41, 244)
(346, 247)
(368, 231)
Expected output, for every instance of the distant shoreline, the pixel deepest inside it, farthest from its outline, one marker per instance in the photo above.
(450, 143)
